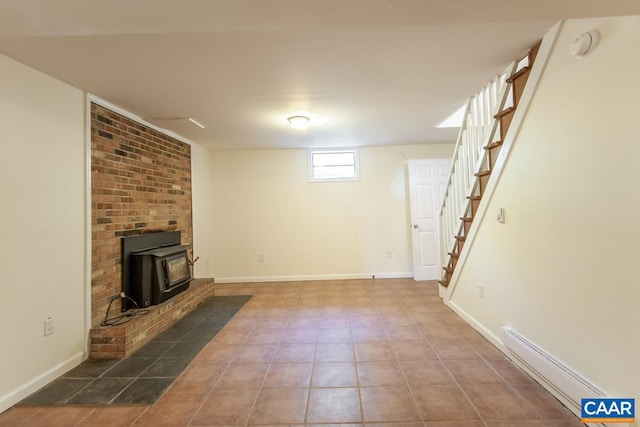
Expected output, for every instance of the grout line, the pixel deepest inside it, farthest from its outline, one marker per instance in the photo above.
(140, 415)
(442, 361)
(292, 301)
(406, 380)
(206, 397)
(355, 367)
(313, 368)
(80, 421)
(264, 380)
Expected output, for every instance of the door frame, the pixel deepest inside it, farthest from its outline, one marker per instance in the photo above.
(443, 164)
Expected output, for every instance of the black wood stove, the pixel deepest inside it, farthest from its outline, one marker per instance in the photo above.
(155, 267)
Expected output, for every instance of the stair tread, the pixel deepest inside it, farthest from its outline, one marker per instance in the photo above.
(474, 197)
(448, 270)
(483, 173)
(518, 74)
(460, 238)
(505, 112)
(443, 283)
(493, 145)
(466, 219)
(453, 254)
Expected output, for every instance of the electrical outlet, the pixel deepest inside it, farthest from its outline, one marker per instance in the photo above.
(389, 253)
(481, 291)
(49, 326)
(260, 258)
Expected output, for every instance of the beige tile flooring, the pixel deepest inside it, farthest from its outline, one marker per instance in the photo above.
(362, 352)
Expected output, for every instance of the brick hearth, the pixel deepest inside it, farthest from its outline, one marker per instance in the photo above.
(140, 183)
(108, 342)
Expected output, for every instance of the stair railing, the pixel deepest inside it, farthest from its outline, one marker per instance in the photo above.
(478, 129)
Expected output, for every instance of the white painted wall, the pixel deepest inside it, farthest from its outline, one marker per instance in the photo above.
(563, 270)
(42, 224)
(203, 203)
(265, 205)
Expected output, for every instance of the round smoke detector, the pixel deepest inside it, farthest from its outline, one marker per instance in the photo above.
(584, 43)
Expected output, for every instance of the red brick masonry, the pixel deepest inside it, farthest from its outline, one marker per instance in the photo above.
(109, 342)
(140, 183)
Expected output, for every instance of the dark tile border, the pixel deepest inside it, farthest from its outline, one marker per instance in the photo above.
(142, 377)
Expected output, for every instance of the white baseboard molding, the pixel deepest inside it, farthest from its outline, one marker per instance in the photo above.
(306, 278)
(482, 330)
(15, 396)
(567, 385)
(500, 345)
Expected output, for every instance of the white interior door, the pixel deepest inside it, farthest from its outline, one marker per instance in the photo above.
(427, 182)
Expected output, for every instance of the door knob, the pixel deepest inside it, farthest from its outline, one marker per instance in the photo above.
(415, 226)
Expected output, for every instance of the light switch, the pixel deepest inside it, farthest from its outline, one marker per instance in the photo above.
(500, 216)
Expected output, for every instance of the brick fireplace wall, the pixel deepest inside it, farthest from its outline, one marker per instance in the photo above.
(141, 183)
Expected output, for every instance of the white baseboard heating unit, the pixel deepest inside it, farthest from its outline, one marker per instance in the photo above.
(567, 382)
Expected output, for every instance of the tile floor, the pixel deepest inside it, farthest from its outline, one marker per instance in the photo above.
(361, 352)
(146, 374)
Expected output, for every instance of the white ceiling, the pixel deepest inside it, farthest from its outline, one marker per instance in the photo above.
(384, 72)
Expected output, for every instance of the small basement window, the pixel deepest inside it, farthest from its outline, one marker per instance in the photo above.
(333, 165)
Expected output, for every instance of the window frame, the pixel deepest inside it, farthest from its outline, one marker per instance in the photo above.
(356, 163)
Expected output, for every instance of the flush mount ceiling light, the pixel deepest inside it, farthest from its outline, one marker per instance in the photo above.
(298, 122)
(304, 119)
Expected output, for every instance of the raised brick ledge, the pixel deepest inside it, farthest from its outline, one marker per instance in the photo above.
(116, 342)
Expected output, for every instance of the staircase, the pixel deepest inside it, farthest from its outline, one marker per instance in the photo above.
(486, 122)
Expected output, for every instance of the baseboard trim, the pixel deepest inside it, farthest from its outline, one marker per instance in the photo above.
(570, 385)
(500, 345)
(485, 332)
(15, 396)
(310, 277)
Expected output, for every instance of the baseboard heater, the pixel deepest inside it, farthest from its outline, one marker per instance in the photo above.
(568, 383)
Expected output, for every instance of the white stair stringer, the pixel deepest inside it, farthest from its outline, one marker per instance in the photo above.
(548, 42)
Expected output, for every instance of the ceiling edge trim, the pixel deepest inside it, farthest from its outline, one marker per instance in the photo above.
(104, 103)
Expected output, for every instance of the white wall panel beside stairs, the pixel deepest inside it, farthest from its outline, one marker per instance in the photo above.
(562, 269)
